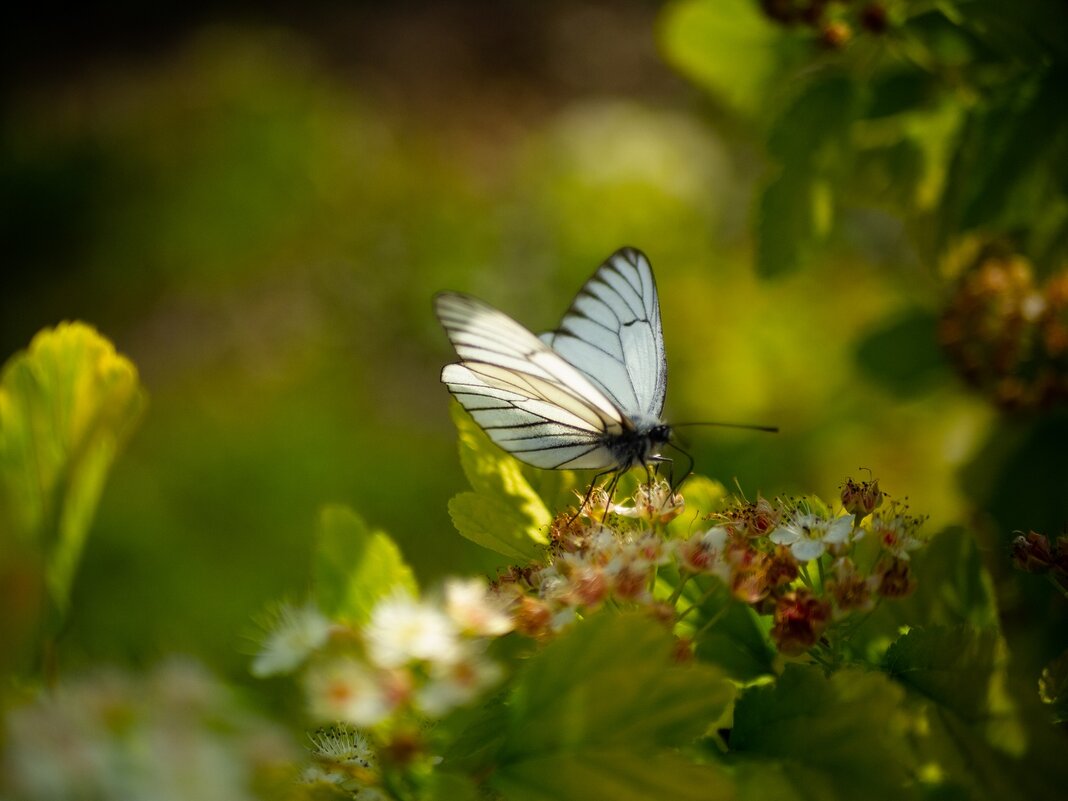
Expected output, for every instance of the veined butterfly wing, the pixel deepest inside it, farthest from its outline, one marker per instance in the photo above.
(529, 400)
(612, 333)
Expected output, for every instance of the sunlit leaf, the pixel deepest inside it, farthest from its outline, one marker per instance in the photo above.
(727, 46)
(355, 567)
(494, 523)
(703, 495)
(67, 403)
(504, 513)
(838, 737)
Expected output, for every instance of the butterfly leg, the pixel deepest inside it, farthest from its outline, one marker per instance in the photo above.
(589, 492)
(612, 491)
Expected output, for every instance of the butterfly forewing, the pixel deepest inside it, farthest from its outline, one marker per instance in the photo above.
(612, 334)
(529, 400)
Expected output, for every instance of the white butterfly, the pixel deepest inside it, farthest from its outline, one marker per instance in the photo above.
(587, 395)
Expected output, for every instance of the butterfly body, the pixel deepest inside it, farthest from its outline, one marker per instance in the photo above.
(640, 445)
(587, 395)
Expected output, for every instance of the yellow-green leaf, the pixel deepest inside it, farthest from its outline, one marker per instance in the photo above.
(355, 567)
(67, 403)
(503, 508)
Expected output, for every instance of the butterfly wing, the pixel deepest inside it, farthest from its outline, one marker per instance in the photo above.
(612, 334)
(528, 399)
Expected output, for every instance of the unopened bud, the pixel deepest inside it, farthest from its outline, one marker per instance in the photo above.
(895, 578)
(1031, 552)
(861, 498)
(800, 618)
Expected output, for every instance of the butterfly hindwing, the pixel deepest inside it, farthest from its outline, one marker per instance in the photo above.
(612, 333)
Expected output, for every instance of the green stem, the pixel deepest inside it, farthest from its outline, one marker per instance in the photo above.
(1056, 583)
(710, 622)
(674, 599)
(819, 567)
(704, 597)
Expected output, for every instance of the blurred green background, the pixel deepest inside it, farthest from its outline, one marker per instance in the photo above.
(257, 202)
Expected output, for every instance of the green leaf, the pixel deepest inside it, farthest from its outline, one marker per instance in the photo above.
(67, 404)
(450, 787)
(495, 524)
(961, 669)
(902, 354)
(730, 633)
(729, 48)
(356, 567)
(810, 141)
(787, 221)
(838, 737)
(953, 588)
(974, 730)
(504, 513)
(899, 92)
(1053, 687)
(1000, 175)
(703, 496)
(613, 775)
(601, 701)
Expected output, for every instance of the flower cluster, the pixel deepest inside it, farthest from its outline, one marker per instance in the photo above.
(833, 23)
(1033, 553)
(413, 660)
(792, 559)
(1007, 336)
(175, 733)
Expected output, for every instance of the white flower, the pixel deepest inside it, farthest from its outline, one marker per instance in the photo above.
(348, 691)
(402, 630)
(456, 684)
(705, 552)
(653, 503)
(895, 531)
(475, 610)
(296, 634)
(809, 535)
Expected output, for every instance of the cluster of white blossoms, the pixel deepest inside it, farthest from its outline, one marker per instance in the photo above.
(425, 656)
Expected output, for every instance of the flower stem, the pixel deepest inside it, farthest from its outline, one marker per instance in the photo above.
(1057, 583)
(674, 599)
(710, 622)
(704, 597)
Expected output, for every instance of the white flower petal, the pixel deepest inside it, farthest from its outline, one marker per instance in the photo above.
(807, 550)
(784, 536)
(838, 531)
(297, 633)
(715, 538)
(403, 629)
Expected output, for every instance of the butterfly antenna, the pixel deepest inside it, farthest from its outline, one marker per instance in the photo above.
(750, 426)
